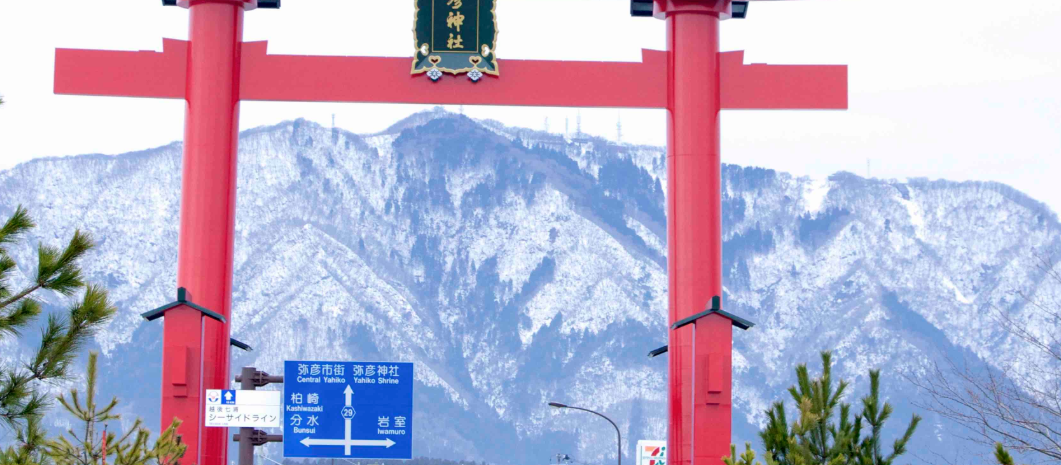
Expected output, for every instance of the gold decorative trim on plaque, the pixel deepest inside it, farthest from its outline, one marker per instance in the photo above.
(464, 21)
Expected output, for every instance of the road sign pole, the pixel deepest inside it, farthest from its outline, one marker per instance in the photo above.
(246, 448)
(249, 379)
(694, 230)
(205, 71)
(195, 357)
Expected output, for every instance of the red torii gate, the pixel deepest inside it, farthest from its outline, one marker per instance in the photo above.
(215, 70)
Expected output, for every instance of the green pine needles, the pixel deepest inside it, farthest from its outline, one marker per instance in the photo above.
(23, 387)
(1002, 455)
(747, 458)
(129, 449)
(824, 432)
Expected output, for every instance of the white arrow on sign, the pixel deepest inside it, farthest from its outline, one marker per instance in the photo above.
(347, 443)
(346, 423)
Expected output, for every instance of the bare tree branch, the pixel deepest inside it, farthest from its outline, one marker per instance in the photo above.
(1017, 405)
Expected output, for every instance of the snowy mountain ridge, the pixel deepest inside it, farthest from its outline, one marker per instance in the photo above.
(517, 268)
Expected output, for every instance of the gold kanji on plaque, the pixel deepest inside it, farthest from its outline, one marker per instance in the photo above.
(455, 20)
(455, 42)
(455, 36)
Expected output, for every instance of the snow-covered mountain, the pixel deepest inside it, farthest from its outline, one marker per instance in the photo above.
(517, 267)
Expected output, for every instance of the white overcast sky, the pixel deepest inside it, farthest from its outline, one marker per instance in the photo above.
(953, 89)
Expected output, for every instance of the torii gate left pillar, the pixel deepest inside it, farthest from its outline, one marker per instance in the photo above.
(215, 70)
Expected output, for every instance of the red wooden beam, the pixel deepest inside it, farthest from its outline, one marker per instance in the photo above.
(123, 74)
(302, 78)
(780, 87)
(387, 80)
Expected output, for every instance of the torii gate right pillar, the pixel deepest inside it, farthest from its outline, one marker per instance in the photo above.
(700, 421)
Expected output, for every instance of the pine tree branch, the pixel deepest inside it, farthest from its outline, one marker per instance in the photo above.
(90, 392)
(32, 408)
(58, 271)
(27, 310)
(75, 409)
(135, 427)
(22, 294)
(15, 226)
(1002, 456)
(50, 335)
(64, 450)
(79, 244)
(6, 265)
(61, 339)
(130, 449)
(823, 435)
(104, 414)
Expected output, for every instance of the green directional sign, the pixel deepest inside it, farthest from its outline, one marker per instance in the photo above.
(455, 36)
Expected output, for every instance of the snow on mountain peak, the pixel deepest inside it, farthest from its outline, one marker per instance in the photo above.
(516, 268)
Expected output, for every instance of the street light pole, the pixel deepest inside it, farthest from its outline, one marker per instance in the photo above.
(619, 434)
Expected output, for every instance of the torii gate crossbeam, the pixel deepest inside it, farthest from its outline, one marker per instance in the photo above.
(299, 78)
(692, 80)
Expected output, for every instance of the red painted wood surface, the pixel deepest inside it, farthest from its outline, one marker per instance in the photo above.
(694, 234)
(207, 226)
(310, 78)
(692, 80)
(123, 74)
(781, 87)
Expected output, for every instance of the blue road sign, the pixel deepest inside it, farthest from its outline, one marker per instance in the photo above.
(360, 410)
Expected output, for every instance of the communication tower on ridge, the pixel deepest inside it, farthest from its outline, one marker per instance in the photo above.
(215, 69)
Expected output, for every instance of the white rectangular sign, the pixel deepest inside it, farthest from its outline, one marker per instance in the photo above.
(651, 452)
(242, 409)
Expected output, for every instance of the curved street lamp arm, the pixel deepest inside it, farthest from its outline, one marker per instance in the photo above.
(597, 414)
(609, 421)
